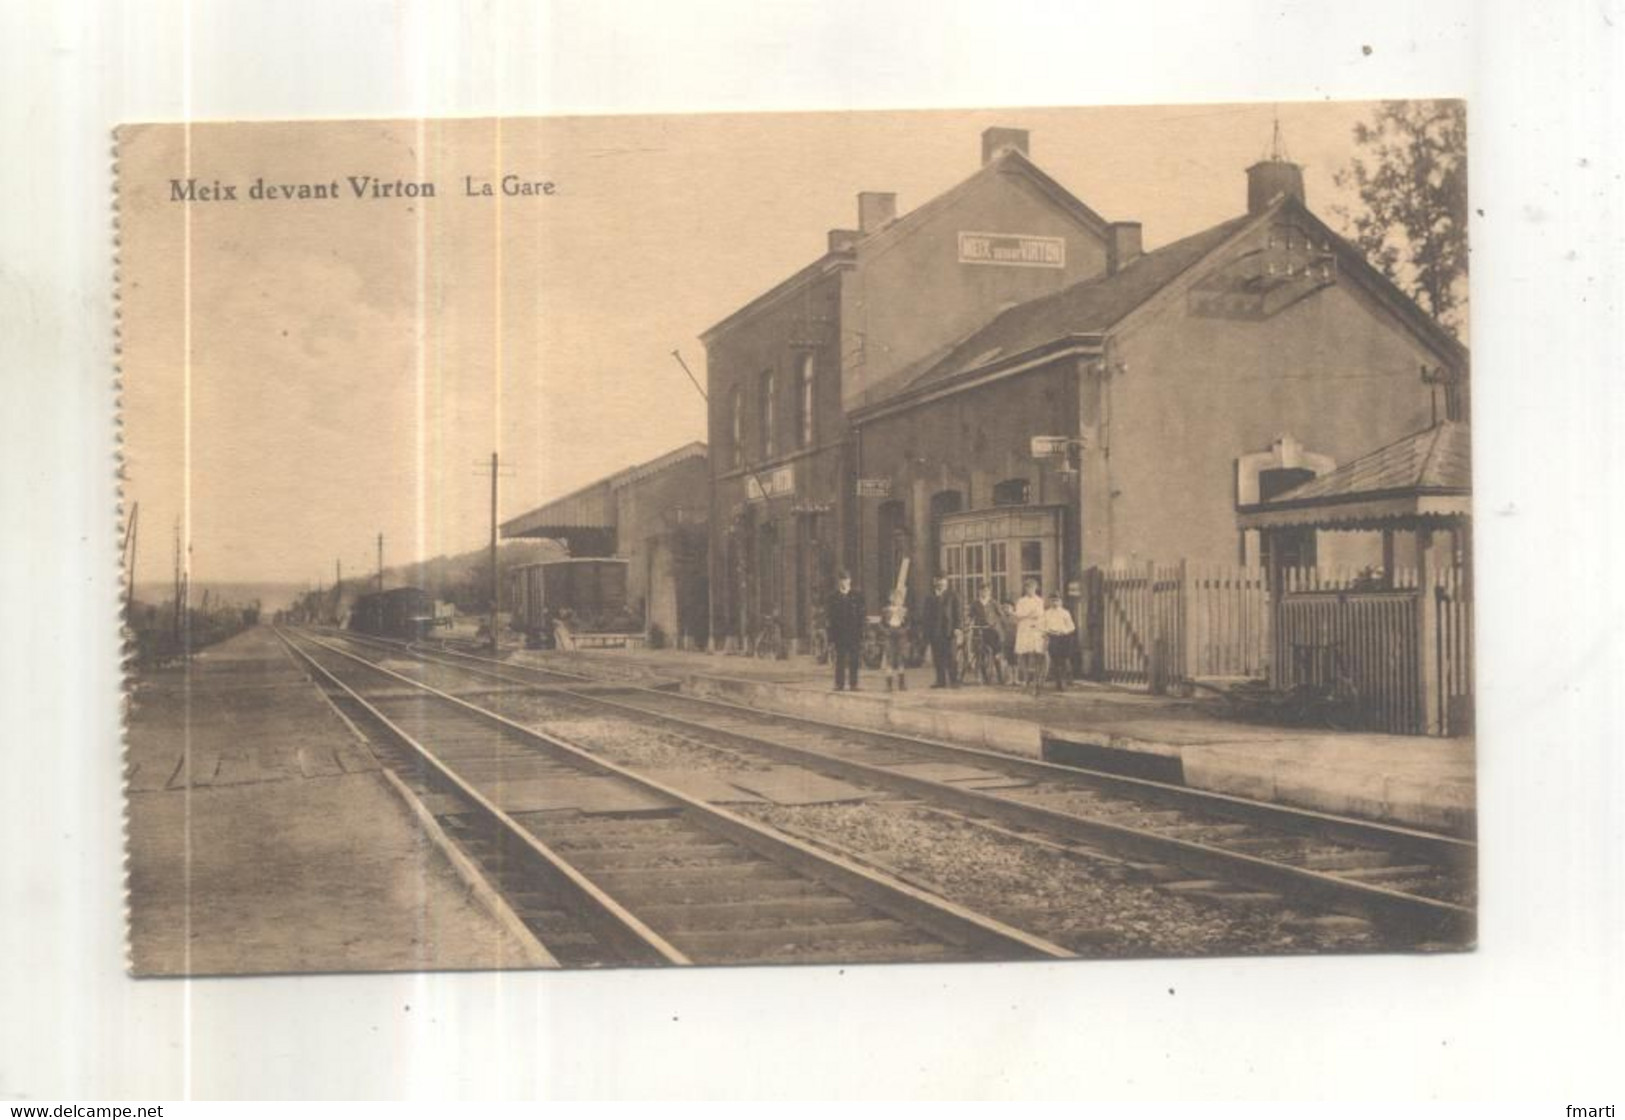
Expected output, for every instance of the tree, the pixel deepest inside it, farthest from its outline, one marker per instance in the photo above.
(1412, 183)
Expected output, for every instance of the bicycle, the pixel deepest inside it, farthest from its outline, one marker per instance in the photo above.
(769, 641)
(873, 651)
(818, 638)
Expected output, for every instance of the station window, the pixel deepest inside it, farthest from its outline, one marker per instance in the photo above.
(975, 572)
(770, 412)
(953, 567)
(1012, 492)
(998, 570)
(809, 371)
(1032, 563)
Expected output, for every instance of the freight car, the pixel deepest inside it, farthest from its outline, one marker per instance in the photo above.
(586, 594)
(401, 612)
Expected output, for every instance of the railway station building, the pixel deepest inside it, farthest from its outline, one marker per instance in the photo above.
(1002, 383)
(787, 369)
(654, 516)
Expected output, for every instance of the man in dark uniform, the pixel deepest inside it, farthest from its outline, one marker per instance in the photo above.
(846, 619)
(940, 620)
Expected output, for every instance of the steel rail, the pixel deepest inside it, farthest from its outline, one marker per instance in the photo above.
(941, 917)
(1370, 900)
(1447, 851)
(625, 932)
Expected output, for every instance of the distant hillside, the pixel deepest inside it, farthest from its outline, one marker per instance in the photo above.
(465, 578)
(270, 595)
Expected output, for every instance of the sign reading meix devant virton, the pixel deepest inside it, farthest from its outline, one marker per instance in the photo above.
(1018, 250)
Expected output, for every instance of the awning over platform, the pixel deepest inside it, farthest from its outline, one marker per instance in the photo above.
(589, 514)
(590, 508)
(1425, 478)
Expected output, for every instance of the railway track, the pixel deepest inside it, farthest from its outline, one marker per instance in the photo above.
(607, 867)
(1414, 884)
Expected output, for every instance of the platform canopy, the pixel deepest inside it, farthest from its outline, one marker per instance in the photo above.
(1423, 479)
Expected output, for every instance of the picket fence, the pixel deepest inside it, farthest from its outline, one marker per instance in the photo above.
(1401, 646)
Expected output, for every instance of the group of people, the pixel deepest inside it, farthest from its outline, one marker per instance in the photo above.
(1026, 642)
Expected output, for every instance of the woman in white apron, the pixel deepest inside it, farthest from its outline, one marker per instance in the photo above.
(1030, 640)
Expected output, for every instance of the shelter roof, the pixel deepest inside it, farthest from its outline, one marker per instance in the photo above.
(593, 506)
(1426, 476)
(1080, 315)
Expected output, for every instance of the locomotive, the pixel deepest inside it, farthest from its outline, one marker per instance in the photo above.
(406, 613)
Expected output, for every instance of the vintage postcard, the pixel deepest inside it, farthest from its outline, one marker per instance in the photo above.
(792, 539)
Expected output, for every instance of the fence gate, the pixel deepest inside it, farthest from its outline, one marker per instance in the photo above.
(1405, 651)
(1136, 623)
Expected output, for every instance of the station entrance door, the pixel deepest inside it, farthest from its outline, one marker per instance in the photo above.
(1001, 547)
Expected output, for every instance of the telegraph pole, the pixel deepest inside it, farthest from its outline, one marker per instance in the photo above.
(130, 533)
(380, 561)
(180, 606)
(496, 589)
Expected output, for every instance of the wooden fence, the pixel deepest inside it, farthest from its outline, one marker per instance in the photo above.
(1401, 647)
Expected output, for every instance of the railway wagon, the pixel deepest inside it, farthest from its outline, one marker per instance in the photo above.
(400, 612)
(589, 592)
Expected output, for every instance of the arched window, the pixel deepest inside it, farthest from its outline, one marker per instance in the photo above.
(1012, 492)
(738, 450)
(893, 544)
(943, 502)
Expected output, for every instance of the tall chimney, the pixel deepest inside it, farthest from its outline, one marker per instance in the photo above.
(996, 141)
(1124, 245)
(875, 209)
(1271, 177)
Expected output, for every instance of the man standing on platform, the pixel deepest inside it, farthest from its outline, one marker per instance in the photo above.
(941, 620)
(846, 619)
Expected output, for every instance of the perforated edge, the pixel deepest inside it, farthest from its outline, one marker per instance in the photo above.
(127, 521)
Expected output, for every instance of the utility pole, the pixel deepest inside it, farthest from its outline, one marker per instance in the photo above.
(496, 588)
(129, 557)
(179, 602)
(380, 561)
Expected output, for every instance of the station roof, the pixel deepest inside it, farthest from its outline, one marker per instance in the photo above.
(1425, 477)
(592, 507)
(1080, 316)
(1088, 307)
(1010, 161)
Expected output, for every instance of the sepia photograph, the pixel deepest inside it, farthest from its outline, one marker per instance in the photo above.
(864, 537)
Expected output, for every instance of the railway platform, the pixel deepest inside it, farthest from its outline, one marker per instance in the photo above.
(1418, 781)
(263, 837)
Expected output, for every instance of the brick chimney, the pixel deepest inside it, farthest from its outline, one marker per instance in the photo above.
(1269, 178)
(996, 141)
(842, 239)
(876, 209)
(1123, 247)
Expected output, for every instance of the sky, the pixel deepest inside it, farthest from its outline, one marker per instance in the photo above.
(300, 376)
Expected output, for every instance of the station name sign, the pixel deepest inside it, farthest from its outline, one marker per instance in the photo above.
(874, 487)
(1017, 250)
(775, 484)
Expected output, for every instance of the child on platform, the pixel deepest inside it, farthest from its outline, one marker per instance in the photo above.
(894, 623)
